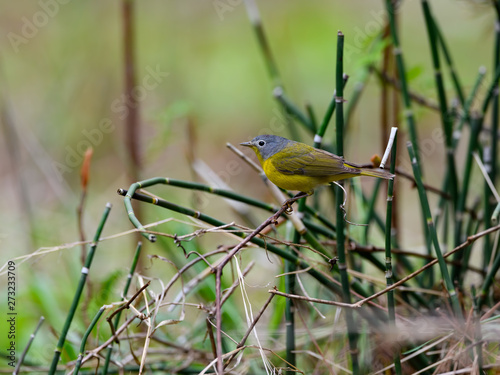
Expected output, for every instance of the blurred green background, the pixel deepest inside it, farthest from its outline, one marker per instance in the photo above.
(66, 78)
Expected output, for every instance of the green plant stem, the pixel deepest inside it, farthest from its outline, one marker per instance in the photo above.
(476, 125)
(290, 269)
(322, 219)
(408, 112)
(220, 192)
(370, 212)
(237, 232)
(407, 104)
(465, 117)
(85, 337)
(376, 217)
(432, 233)
(339, 195)
(79, 290)
(472, 227)
(489, 279)
(183, 184)
(272, 67)
(255, 20)
(491, 152)
(191, 185)
(125, 291)
(451, 66)
(354, 100)
(318, 138)
(388, 255)
(446, 120)
(496, 104)
(312, 116)
(292, 109)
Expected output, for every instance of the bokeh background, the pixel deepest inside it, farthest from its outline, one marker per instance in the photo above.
(62, 80)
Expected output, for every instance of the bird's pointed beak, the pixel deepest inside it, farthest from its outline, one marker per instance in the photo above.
(247, 144)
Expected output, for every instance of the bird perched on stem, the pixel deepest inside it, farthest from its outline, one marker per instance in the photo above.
(294, 165)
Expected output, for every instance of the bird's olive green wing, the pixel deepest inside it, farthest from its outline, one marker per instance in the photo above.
(310, 162)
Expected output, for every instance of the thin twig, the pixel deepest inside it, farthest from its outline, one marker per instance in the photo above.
(314, 300)
(372, 249)
(491, 311)
(245, 158)
(125, 306)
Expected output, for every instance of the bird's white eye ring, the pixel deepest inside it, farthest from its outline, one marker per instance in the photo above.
(261, 143)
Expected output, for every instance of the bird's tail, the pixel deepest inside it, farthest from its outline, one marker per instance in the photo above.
(380, 173)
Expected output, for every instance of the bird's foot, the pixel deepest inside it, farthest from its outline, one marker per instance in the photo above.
(287, 205)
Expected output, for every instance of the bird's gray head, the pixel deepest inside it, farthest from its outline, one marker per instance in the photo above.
(267, 145)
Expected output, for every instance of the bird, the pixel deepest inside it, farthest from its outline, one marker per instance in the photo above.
(297, 166)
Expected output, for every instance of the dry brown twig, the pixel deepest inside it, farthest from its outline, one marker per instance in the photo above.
(125, 306)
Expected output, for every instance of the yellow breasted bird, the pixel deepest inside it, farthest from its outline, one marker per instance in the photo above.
(296, 166)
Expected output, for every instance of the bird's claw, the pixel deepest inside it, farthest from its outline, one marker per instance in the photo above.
(288, 209)
(287, 206)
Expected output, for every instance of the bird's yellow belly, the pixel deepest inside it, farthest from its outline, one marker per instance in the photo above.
(293, 181)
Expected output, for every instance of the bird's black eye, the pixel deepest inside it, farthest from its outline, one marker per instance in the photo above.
(262, 143)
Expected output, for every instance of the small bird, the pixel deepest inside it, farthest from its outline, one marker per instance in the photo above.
(296, 166)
